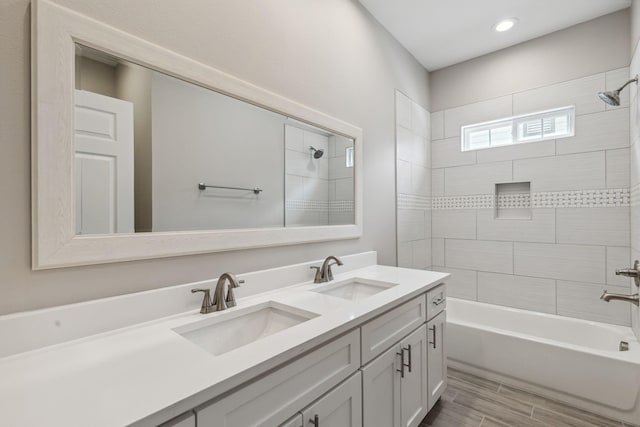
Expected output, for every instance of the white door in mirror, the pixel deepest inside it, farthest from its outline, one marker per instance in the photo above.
(103, 164)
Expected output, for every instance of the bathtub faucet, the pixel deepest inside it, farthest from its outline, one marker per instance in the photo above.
(633, 299)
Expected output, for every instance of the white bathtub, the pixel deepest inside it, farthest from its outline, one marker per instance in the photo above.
(571, 360)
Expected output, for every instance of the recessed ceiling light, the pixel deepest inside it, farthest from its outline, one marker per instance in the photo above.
(505, 25)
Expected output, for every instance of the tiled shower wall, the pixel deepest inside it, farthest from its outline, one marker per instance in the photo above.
(413, 183)
(561, 259)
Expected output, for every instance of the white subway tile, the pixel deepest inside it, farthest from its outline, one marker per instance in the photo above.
(421, 253)
(403, 110)
(447, 152)
(617, 168)
(437, 251)
(405, 254)
(618, 257)
(527, 293)
(427, 223)
(410, 225)
(598, 131)
(454, 223)
(461, 283)
(582, 300)
(437, 182)
(476, 179)
(540, 228)
(344, 189)
(294, 187)
(437, 125)
(593, 226)
(634, 119)
(570, 172)
(565, 262)
(579, 92)
(479, 255)
(420, 119)
(420, 180)
(635, 218)
(316, 189)
(404, 143)
(404, 177)
(315, 140)
(634, 172)
(614, 79)
(478, 112)
(518, 151)
(293, 138)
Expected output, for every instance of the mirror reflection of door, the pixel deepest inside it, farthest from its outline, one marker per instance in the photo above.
(103, 164)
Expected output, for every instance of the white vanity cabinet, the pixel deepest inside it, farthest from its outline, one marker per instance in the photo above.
(272, 399)
(436, 346)
(394, 385)
(341, 407)
(436, 357)
(387, 372)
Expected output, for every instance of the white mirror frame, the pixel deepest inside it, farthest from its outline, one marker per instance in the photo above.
(55, 30)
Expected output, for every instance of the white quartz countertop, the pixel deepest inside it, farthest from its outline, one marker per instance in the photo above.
(146, 373)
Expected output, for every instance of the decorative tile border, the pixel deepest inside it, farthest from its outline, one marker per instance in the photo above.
(464, 202)
(320, 205)
(409, 201)
(618, 197)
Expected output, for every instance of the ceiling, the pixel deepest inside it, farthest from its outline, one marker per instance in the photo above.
(440, 33)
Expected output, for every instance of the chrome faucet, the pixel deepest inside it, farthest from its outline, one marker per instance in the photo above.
(324, 274)
(219, 301)
(633, 299)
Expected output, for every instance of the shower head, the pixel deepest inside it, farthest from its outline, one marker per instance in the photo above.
(612, 97)
(317, 153)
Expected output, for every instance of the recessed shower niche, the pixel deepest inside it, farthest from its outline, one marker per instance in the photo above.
(513, 200)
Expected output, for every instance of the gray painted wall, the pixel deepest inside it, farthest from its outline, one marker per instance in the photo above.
(289, 47)
(585, 49)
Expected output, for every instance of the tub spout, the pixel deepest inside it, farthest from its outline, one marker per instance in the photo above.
(633, 299)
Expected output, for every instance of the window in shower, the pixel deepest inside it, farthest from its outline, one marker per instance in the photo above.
(538, 126)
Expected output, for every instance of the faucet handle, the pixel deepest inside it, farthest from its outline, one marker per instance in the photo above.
(230, 300)
(318, 276)
(206, 300)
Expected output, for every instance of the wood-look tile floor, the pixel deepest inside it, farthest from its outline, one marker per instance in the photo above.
(470, 401)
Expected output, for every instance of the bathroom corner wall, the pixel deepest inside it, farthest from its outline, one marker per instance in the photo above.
(413, 183)
(635, 153)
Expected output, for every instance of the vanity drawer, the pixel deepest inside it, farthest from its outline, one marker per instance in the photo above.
(273, 398)
(436, 301)
(384, 331)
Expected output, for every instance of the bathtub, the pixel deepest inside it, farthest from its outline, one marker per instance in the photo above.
(574, 361)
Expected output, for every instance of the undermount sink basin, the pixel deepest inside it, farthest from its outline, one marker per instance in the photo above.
(354, 289)
(226, 331)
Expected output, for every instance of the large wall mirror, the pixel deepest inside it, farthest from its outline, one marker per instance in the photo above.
(140, 152)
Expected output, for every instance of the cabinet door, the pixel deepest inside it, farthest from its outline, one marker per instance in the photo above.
(341, 407)
(437, 357)
(273, 398)
(381, 390)
(413, 387)
(295, 421)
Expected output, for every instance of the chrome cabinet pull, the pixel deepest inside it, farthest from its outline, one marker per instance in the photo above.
(315, 420)
(408, 348)
(402, 364)
(433, 329)
(439, 301)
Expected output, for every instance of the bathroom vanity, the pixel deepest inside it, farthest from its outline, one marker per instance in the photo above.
(364, 349)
